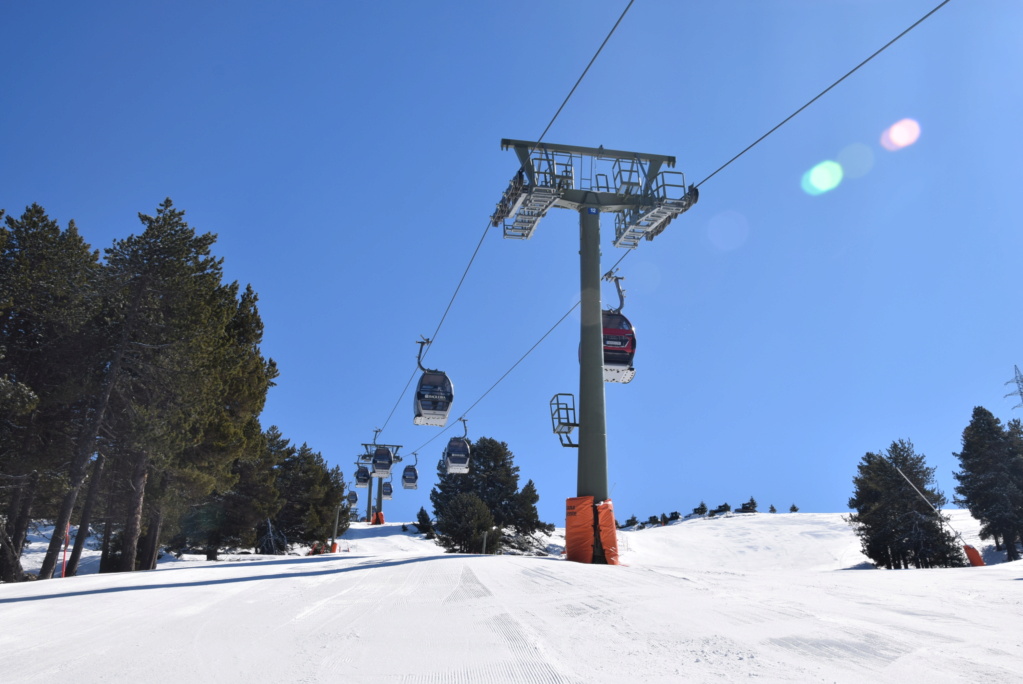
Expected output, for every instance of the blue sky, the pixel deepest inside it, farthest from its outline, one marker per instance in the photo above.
(348, 157)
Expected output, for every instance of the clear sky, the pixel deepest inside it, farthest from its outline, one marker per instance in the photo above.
(348, 157)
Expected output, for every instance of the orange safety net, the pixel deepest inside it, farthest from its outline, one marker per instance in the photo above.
(608, 531)
(579, 529)
(974, 556)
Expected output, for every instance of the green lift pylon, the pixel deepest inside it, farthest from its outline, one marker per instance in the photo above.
(644, 199)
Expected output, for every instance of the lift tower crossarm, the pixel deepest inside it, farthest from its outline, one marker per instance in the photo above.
(524, 147)
(631, 185)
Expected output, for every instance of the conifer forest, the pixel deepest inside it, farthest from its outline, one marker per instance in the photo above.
(131, 387)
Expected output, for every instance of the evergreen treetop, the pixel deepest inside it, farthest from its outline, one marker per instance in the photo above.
(991, 478)
(898, 529)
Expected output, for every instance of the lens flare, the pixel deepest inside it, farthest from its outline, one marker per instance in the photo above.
(900, 134)
(856, 160)
(822, 178)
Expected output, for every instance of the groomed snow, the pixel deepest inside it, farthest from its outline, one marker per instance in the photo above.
(782, 597)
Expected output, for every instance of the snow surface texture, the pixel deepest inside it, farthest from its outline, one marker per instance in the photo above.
(782, 598)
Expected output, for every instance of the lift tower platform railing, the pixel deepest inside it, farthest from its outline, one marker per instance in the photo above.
(644, 198)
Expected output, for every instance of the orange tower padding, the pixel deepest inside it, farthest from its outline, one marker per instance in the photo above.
(974, 556)
(608, 531)
(579, 529)
(378, 518)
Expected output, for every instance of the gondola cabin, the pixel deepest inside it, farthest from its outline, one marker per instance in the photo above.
(353, 497)
(409, 477)
(619, 347)
(383, 459)
(386, 491)
(456, 456)
(361, 477)
(433, 399)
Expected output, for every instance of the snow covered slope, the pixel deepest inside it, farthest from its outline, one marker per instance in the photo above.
(780, 597)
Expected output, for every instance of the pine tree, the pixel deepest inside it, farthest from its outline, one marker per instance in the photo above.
(897, 529)
(772, 509)
(424, 524)
(493, 479)
(155, 286)
(231, 517)
(48, 314)
(991, 479)
(184, 393)
(467, 519)
(524, 516)
(310, 493)
(227, 462)
(701, 509)
(793, 508)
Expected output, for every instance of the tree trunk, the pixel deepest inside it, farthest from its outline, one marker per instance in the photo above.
(1010, 547)
(13, 508)
(86, 519)
(10, 564)
(151, 543)
(133, 525)
(213, 546)
(27, 495)
(105, 563)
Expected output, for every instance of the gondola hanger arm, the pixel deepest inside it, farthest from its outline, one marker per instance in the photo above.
(610, 275)
(419, 358)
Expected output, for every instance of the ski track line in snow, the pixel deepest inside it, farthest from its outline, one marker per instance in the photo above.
(469, 587)
(351, 574)
(522, 658)
(411, 588)
(335, 628)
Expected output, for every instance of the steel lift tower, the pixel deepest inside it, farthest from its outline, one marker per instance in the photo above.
(372, 459)
(1018, 380)
(644, 199)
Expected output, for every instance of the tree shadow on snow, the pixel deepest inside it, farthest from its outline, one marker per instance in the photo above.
(865, 565)
(206, 583)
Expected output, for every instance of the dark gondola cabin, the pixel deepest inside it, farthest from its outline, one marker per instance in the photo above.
(409, 477)
(383, 459)
(353, 498)
(619, 347)
(456, 456)
(386, 491)
(433, 399)
(362, 476)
